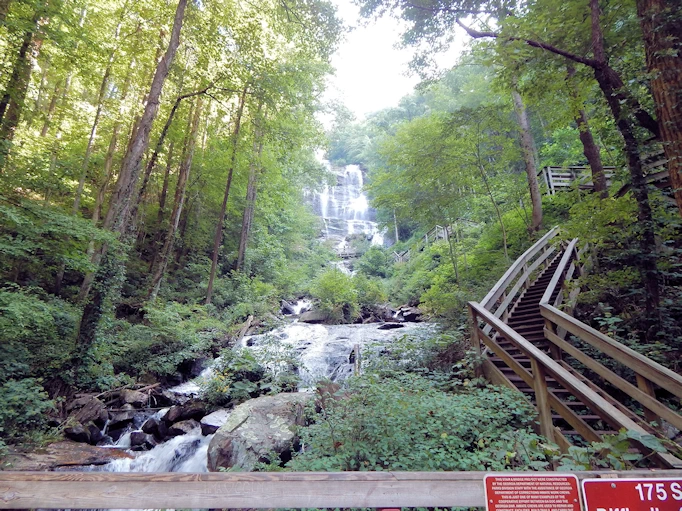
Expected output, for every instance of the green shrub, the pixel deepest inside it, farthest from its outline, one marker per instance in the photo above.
(38, 334)
(370, 291)
(336, 296)
(170, 334)
(23, 407)
(241, 374)
(408, 423)
(374, 263)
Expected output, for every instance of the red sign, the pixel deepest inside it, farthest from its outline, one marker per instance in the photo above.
(633, 494)
(550, 492)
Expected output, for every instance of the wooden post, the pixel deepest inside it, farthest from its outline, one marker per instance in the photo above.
(526, 283)
(505, 313)
(645, 385)
(554, 350)
(542, 400)
(475, 339)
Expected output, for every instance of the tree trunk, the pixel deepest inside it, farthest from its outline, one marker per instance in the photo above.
(591, 152)
(159, 146)
(4, 9)
(118, 215)
(528, 151)
(183, 176)
(608, 81)
(12, 101)
(50, 109)
(124, 195)
(95, 123)
(164, 188)
(251, 192)
(218, 238)
(661, 22)
(395, 226)
(590, 148)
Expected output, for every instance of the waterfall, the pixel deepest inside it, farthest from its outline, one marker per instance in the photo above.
(344, 209)
(184, 453)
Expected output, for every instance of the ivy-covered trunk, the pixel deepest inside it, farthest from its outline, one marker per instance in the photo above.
(661, 22)
(610, 83)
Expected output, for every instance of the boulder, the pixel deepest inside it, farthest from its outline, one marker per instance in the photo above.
(194, 410)
(142, 440)
(412, 314)
(150, 426)
(88, 409)
(390, 326)
(212, 422)
(256, 429)
(183, 427)
(78, 433)
(123, 416)
(287, 308)
(135, 398)
(96, 435)
(62, 454)
(313, 317)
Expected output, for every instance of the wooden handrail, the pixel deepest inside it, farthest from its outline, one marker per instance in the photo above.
(639, 363)
(543, 364)
(517, 267)
(559, 272)
(258, 490)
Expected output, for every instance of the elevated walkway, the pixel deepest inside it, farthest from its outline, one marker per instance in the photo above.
(530, 342)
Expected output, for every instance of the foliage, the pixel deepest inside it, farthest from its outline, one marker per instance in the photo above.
(336, 296)
(613, 452)
(239, 374)
(409, 423)
(167, 336)
(23, 407)
(37, 334)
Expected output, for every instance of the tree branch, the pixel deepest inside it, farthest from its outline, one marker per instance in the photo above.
(476, 34)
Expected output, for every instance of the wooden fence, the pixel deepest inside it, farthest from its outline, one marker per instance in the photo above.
(101, 490)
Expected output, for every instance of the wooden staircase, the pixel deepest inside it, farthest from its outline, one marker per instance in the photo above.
(522, 333)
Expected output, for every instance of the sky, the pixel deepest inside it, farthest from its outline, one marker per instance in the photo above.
(371, 73)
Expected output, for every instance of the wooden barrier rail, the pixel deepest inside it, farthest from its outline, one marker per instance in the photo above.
(542, 365)
(647, 372)
(101, 490)
(517, 278)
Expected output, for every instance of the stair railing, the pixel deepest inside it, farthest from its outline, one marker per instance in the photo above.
(648, 373)
(542, 365)
(517, 278)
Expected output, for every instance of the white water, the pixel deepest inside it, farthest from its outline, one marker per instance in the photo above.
(184, 453)
(345, 211)
(325, 350)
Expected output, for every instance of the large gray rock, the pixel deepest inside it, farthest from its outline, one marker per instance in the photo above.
(213, 421)
(135, 398)
(88, 409)
(313, 317)
(255, 429)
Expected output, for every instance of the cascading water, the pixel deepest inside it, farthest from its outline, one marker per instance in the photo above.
(345, 210)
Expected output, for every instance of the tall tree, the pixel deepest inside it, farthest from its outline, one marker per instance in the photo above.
(661, 22)
(180, 189)
(118, 216)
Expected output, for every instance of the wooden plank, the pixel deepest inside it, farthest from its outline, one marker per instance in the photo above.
(507, 359)
(654, 372)
(563, 264)
(646, 400)
(584, 429)
(79, 490)
(520, 282)
(515, 268)
(542, 400)
(648, 388)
